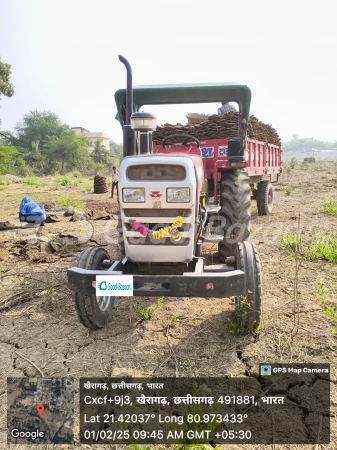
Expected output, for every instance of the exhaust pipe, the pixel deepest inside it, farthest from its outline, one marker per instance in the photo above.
(129, 136)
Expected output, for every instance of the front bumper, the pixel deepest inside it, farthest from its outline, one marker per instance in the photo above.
(218, 281)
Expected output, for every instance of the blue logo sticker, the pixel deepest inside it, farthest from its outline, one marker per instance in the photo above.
(102, 286)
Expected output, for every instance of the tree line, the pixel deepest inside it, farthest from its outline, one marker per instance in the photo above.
(42, 145)
(307, 145)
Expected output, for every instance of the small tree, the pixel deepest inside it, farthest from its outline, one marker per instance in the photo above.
(68, 151)
(7, 159)
(116, 151)
(34, 131)
(6, 87)
(100, 154)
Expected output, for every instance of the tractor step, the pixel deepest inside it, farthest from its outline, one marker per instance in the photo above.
(212, 238)
(211, 208)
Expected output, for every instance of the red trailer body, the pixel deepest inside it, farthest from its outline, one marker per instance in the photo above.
(261, 159)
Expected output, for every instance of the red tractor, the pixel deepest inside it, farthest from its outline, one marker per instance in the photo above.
(166, 210)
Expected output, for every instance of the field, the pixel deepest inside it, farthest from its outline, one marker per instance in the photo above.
(40, 333)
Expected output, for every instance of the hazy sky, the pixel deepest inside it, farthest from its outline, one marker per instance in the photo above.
(64, 57)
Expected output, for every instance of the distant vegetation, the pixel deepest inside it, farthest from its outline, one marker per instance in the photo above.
(307, 145)
(42, 145)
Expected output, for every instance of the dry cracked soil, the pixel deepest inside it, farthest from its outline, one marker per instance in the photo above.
(40, 333)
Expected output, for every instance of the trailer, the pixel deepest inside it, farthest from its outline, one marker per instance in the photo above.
(262, 162)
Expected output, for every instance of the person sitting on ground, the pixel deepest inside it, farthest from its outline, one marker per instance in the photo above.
(115, 179)
(225, 108)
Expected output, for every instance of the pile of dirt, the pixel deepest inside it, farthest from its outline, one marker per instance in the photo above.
(216, 127)
(12, 178)
(100, 186)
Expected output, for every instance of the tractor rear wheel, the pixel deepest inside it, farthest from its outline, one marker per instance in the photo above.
(235, 205)
(94, 312)
(264, 198)
(249, 305)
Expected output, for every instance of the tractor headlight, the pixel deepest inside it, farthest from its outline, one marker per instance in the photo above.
(178, 195)
(136, 195)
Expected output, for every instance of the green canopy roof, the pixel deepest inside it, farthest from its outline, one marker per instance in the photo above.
(162, 94)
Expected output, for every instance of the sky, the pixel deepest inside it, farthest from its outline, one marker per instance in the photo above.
(64, 57)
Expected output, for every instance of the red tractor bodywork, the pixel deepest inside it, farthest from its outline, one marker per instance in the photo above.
(261, 159)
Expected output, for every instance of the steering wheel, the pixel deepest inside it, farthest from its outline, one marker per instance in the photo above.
(187, 137)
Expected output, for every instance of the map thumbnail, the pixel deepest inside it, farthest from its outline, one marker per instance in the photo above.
(40, 410)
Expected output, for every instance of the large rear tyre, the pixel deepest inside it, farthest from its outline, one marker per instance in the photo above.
(235, 205)
(264, 198)
(93, 312)
(249, 305)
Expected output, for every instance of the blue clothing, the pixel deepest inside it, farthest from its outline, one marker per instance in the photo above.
(31, 212)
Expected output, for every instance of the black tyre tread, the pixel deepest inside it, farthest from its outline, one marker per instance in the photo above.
(263, 208)
(248, 261)
(235, 201)
(86, 305)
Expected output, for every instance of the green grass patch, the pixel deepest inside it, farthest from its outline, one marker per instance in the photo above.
(3, 187)
(322, 246)
(328, 308)
(77, 182)
(66, 181)
(3, 181)
(288, 192)
(292, 242)
(235, 323)
(71, 200)
(329, 207)
(91, 177)
(141, 312)
(89, 187)
(76, 174)
(31, 181)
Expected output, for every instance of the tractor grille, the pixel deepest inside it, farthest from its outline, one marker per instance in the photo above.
(156, 172)
(138, 213)
(165, 241)
(155, 219)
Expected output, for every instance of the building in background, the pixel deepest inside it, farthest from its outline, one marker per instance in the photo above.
(93, 137)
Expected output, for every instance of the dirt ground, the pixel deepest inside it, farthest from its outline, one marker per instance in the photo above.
(38, 321)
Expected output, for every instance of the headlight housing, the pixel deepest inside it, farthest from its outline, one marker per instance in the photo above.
(178, 195)
(134, 195)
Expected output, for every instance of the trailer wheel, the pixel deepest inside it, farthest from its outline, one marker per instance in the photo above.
(265, 198)
(235, 209)
(249, 305)
(94, 312)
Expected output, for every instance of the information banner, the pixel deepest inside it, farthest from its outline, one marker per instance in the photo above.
(279, 407)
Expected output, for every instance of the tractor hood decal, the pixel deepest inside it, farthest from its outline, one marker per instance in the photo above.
(155, 195)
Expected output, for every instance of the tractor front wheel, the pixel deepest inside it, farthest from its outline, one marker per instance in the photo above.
(264, 198)
(249, 304)
(94, 312)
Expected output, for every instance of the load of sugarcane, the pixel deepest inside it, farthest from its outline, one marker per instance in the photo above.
(216, 126)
